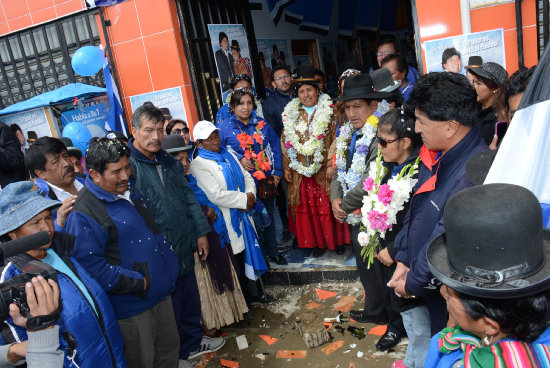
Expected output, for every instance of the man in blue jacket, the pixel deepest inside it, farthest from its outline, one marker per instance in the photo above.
(120, 245)
(446, 111)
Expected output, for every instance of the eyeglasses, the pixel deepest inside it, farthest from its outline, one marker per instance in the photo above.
(180, 131)
(286, 76)
(380, 53)
(384, 143)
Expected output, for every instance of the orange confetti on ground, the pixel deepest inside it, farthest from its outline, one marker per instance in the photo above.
(325, 294)
(345, 303)
(328, 325)
(291, 354)
(332, 347)
(206, 358)
(351, 320)
(378, 330)
(312, 305)
(270, 340)
(351, 365)
(229, 363)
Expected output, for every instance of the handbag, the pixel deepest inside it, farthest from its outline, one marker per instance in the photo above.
(267, 188)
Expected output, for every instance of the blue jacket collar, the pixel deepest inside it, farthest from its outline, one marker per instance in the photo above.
(279, 93)
(99, 192)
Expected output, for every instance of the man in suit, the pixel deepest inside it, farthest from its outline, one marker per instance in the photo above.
(224, 61)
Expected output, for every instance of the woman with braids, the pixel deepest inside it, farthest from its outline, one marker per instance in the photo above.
(496, 280)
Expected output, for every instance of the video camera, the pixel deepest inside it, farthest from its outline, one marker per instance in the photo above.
(13, 290)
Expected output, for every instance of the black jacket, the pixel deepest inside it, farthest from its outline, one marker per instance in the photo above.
(12, 165)
(273, 107)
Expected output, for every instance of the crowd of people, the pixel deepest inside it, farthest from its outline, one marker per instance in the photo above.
(160, 240)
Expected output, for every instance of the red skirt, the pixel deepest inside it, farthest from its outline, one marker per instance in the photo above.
(314, 225)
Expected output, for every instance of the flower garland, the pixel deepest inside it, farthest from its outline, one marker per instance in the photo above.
(349, 178)
(382, 203)
(259, 110)
(260, 160)
(294, 130)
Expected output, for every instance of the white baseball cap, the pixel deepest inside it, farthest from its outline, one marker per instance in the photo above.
(203, 129)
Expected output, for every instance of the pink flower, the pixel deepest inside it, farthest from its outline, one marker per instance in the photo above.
(385, 194)
(379, 221)
(321, 136)
(288, 144)
(368, 184)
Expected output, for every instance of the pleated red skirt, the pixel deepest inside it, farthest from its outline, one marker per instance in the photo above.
(314, 225)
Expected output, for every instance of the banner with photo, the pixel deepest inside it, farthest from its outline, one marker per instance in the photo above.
(489, 45)
(170, 98)
(92, 117)
(35, 120)
(231, 52)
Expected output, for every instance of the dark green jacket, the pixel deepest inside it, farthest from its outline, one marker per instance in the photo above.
(172, 203)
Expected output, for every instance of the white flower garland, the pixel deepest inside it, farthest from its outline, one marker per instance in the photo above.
(294, 130)
(349, 178)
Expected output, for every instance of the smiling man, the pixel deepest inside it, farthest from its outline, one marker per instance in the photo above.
(48, 160)
(120, 245)
(160, 178)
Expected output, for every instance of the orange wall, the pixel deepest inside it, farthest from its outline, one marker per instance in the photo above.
(440, 19)
(18, 14)
(148, 51)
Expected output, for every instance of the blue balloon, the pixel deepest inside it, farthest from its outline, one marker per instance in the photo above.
(88, 60)
(79, 134)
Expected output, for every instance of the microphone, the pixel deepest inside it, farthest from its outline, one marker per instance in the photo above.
(24, 244)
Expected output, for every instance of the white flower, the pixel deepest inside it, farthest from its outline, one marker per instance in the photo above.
(363, 239)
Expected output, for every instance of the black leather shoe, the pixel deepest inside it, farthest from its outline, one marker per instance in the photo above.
(318, 252)
(279, 259)
(359, 316)
(388, 341)
(295, 243)
(340, 249)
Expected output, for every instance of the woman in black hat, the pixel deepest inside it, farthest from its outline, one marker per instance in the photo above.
(492, 261)
(309, 130)
(489, 80)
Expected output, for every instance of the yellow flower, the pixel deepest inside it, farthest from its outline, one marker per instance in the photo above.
(373, 120)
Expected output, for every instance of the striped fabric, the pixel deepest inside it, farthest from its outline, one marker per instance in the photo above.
(505, 354)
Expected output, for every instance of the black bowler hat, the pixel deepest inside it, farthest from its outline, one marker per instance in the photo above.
(305, 74)
(478, 166)
(360, 86)
(174, 143)
(494, 245)
(383, 81)
(474, 62)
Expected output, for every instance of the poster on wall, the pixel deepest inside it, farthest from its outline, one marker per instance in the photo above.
(170, 98)
(231, 52)
(32, 120)
(92, 117)
(489, 45)
(274, 52)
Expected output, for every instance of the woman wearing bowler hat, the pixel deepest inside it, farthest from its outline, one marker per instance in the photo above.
(492, 261)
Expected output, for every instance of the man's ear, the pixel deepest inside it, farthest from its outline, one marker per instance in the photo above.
(453, 127)
(40, 174)
(94, 175)
(12, 235)
(374, 104)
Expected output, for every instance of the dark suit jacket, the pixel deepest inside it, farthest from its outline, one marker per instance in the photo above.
(225, 69)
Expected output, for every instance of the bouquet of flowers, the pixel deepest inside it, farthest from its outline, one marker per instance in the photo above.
(260, 160)
(382, 203)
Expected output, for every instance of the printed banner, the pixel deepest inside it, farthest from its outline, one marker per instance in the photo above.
(31, 120)
(489, 45)
(170, 98)
(231, 52)
(92, 117)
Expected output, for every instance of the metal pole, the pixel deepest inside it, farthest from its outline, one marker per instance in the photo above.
(465, 16)
(519, 33)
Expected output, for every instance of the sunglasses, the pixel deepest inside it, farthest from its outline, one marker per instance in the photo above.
(384, 143)
(180, 131)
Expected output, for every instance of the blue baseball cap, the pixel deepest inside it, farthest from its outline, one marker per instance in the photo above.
(20, 202)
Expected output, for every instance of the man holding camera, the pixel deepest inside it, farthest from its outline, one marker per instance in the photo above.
(88, 332)
(120, 245)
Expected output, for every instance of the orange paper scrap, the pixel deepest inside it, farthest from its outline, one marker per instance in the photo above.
(206, 358)
(328, 325)
(378, 330)
(345, 303)
(325, 294)
(228, 363)
(312, 305)
(333, 347)
(292, 354)
(270, 340)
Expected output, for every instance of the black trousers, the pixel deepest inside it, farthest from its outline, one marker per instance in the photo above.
(379, 303)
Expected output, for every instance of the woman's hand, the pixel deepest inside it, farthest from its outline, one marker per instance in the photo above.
(339, 214)
(277, 179)
(384, 257)
(247, 164)
(288, 175)
(330, 173)
(203, 247)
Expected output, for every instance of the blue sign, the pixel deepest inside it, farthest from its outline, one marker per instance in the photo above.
(93, 117)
